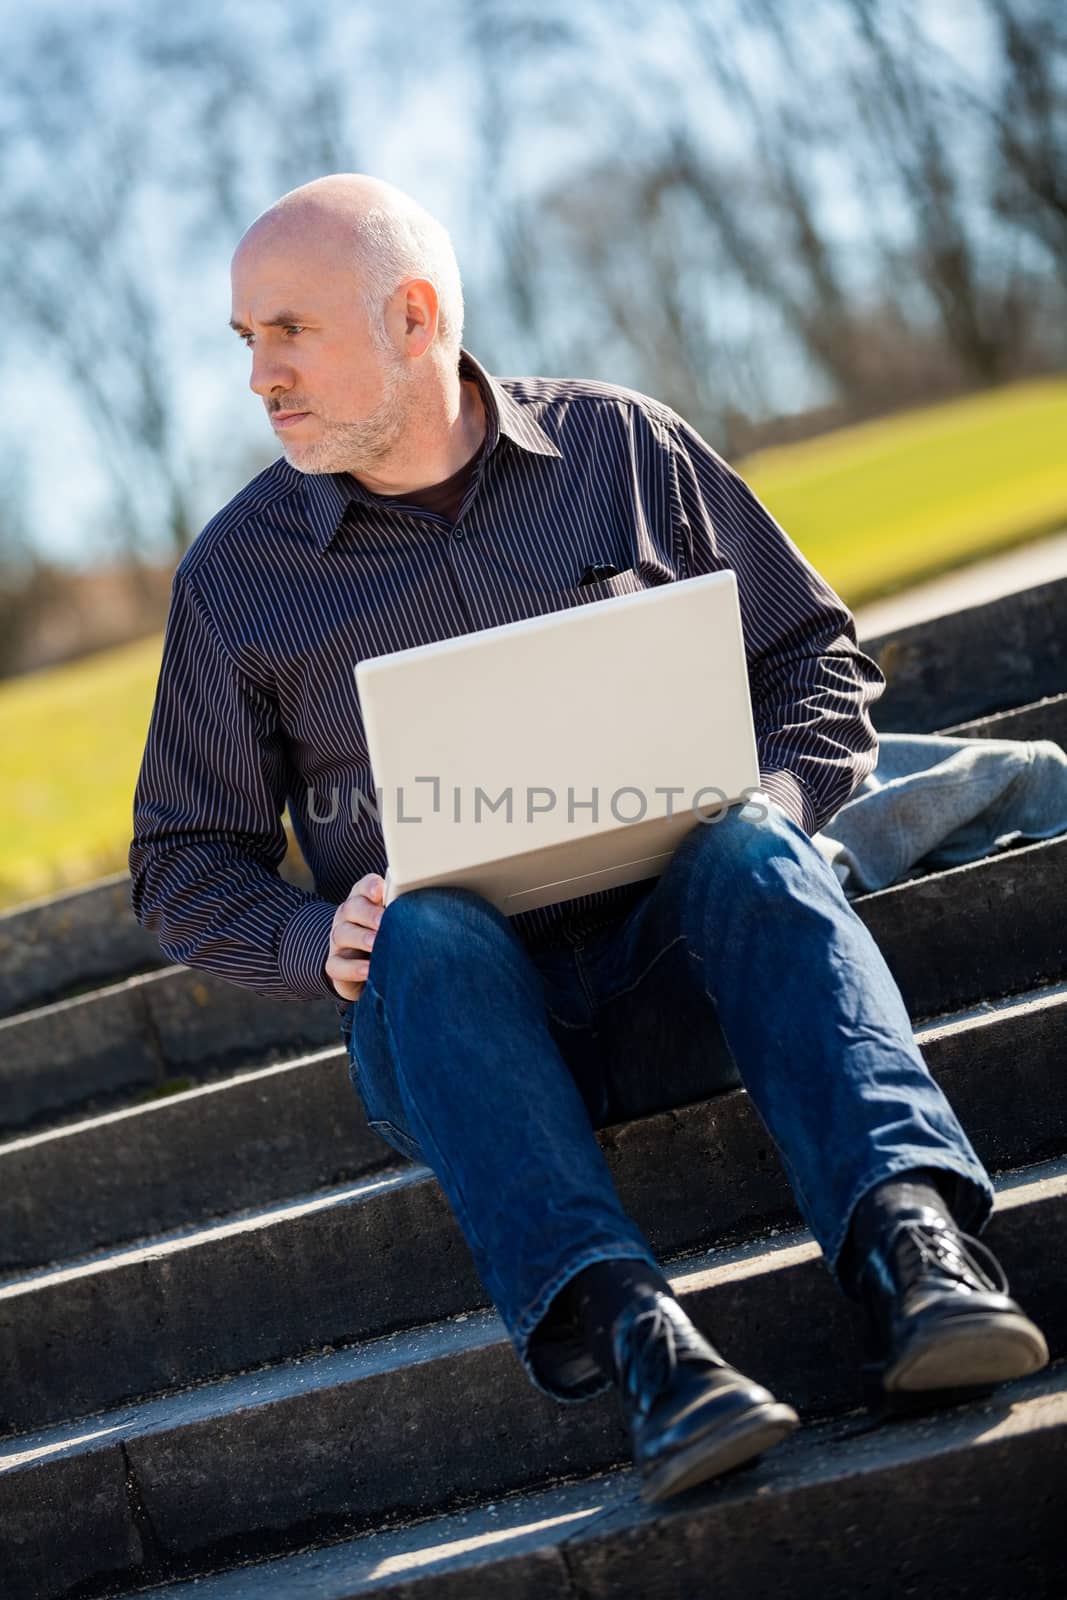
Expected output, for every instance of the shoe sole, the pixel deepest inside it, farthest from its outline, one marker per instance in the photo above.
(720, 1450)
(967, 1353)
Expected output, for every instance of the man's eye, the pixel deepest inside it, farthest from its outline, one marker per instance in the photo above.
(247, 338)
(293, 328)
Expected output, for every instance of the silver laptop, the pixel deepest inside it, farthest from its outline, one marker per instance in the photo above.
(563, 754)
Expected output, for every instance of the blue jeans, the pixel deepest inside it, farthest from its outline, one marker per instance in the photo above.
(493, 1063)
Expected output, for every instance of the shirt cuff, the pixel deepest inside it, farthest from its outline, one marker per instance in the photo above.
(303, 952)
(787, 791)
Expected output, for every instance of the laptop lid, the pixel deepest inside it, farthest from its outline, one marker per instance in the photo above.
(562, 754)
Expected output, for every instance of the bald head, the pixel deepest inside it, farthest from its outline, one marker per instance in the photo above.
(347, 293)
(342, 195)
(385, 235)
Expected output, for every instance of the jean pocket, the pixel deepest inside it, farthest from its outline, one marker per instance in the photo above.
(401, 1141)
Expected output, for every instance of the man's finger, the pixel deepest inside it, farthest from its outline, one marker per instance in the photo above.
(372, 884)
(349, 991)
(348, 975)
(357, 908)
(353, 933)
(351, 968)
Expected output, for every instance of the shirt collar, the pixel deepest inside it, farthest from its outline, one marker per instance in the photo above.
(328, 494)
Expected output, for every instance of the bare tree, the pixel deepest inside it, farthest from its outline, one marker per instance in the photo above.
(104, 132)
(1026, 113)
(74, 271)
(643, 242)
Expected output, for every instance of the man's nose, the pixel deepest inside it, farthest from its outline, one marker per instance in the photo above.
(269, 373)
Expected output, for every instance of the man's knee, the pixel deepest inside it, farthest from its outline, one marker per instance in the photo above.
(431, 916)
(440, 905)
(739, 840)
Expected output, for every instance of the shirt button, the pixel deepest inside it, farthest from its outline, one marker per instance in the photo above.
(457, 533)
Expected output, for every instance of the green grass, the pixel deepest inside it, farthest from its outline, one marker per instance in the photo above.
(72, 739)
(874, 508)
(882, 505)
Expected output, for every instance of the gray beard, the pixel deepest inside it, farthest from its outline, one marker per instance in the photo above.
(356, 446)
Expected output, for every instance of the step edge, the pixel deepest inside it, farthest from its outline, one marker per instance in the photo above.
(463, 1332)
(607, 1501)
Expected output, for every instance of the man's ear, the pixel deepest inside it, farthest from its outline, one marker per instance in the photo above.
(419, 313)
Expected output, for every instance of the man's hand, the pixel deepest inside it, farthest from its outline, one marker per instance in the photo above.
(354, 925)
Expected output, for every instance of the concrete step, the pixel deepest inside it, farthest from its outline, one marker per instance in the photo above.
(961, 1505)
(298, 1127)
(973, 662)
(338, 1426)
(994, 926)
(149, 1033)
(67, 944)
(191, 1156)
(274, 1459)
(370, 1258)
(1044, 719)
(991, 927)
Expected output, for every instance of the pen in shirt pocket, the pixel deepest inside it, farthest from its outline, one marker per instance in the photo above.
(597, 570)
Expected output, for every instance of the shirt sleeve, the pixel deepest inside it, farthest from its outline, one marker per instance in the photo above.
(812, 687)
(207, 830)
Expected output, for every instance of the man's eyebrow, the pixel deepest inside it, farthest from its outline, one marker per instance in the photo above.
(280, 319)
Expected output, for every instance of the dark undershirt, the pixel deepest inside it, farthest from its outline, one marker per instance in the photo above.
(444, 498)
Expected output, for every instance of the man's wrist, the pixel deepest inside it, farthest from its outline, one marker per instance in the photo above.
(787, 791)
(304, 950)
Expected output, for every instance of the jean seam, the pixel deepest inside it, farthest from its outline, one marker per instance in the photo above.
(583, 979)
(405, 1138)
(904, 1161)
(643, 974)
(465, 1222)
(563, 1023)
(792, 1177)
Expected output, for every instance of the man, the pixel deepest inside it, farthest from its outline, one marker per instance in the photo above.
(419, 498)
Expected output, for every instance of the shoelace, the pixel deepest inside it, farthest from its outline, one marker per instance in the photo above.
(964, 1258)
(656, 1343)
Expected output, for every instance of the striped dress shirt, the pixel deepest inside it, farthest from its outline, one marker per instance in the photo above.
(301, 576)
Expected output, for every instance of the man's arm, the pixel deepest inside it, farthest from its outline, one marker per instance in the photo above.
(812, 687)
(207, 831)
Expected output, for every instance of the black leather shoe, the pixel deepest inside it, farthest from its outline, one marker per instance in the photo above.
(691, 1416)
(938, 1319)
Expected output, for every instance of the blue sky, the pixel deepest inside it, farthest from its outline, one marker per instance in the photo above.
(419, 135)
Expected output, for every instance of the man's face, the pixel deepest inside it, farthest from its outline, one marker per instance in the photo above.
(338, 401)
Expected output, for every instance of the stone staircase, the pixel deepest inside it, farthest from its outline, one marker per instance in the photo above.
(245, 1353)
